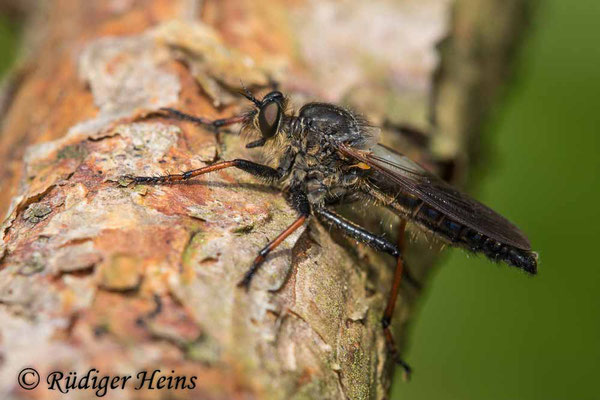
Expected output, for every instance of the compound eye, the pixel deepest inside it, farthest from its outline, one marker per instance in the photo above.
(269, 118)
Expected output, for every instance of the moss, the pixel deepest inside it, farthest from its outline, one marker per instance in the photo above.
(356, 373)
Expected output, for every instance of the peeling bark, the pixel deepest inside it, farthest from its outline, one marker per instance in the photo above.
(94, 274)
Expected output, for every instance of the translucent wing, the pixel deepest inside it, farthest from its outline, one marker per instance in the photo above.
(392, 168)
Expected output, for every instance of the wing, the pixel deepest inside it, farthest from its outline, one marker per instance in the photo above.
(411, 178)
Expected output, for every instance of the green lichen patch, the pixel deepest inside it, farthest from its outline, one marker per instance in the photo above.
(36, 212)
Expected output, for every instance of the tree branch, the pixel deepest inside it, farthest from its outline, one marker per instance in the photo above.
(98, 275)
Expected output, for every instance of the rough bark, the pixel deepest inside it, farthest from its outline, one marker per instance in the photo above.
(95, 274)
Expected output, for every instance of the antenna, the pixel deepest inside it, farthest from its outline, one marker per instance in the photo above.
(248, 94)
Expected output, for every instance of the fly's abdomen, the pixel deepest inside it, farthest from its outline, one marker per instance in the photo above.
(461, 235)
(458, 234)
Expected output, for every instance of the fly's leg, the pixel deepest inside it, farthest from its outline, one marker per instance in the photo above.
(299, 201)
(389, 309)
(357, 232)
(262, 255)
(378, 243)
(393, 296)
(262, 171)
(216, 124)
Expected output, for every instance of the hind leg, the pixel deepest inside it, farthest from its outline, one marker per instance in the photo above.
(378, 243)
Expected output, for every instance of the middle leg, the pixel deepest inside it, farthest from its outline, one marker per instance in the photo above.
(262, 255)
(214, 124)
(300, 203)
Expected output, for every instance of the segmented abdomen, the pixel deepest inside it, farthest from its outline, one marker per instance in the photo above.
(458, 234)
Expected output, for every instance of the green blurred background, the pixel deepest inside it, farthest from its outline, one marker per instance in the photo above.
(489, 332)
(8, 43)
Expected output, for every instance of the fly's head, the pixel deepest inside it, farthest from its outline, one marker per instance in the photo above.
(266, 118)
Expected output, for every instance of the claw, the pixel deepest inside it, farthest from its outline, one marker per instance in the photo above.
(406, 369)
(245, 283)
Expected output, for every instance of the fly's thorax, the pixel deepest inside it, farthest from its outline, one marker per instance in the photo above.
(336, 124)
(306, 150)
(322, 176)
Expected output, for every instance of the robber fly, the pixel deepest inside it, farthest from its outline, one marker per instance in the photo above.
(328, 155)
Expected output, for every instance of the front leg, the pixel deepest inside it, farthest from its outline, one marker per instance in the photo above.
(215, 124)
(298, 200)
(262, 171)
